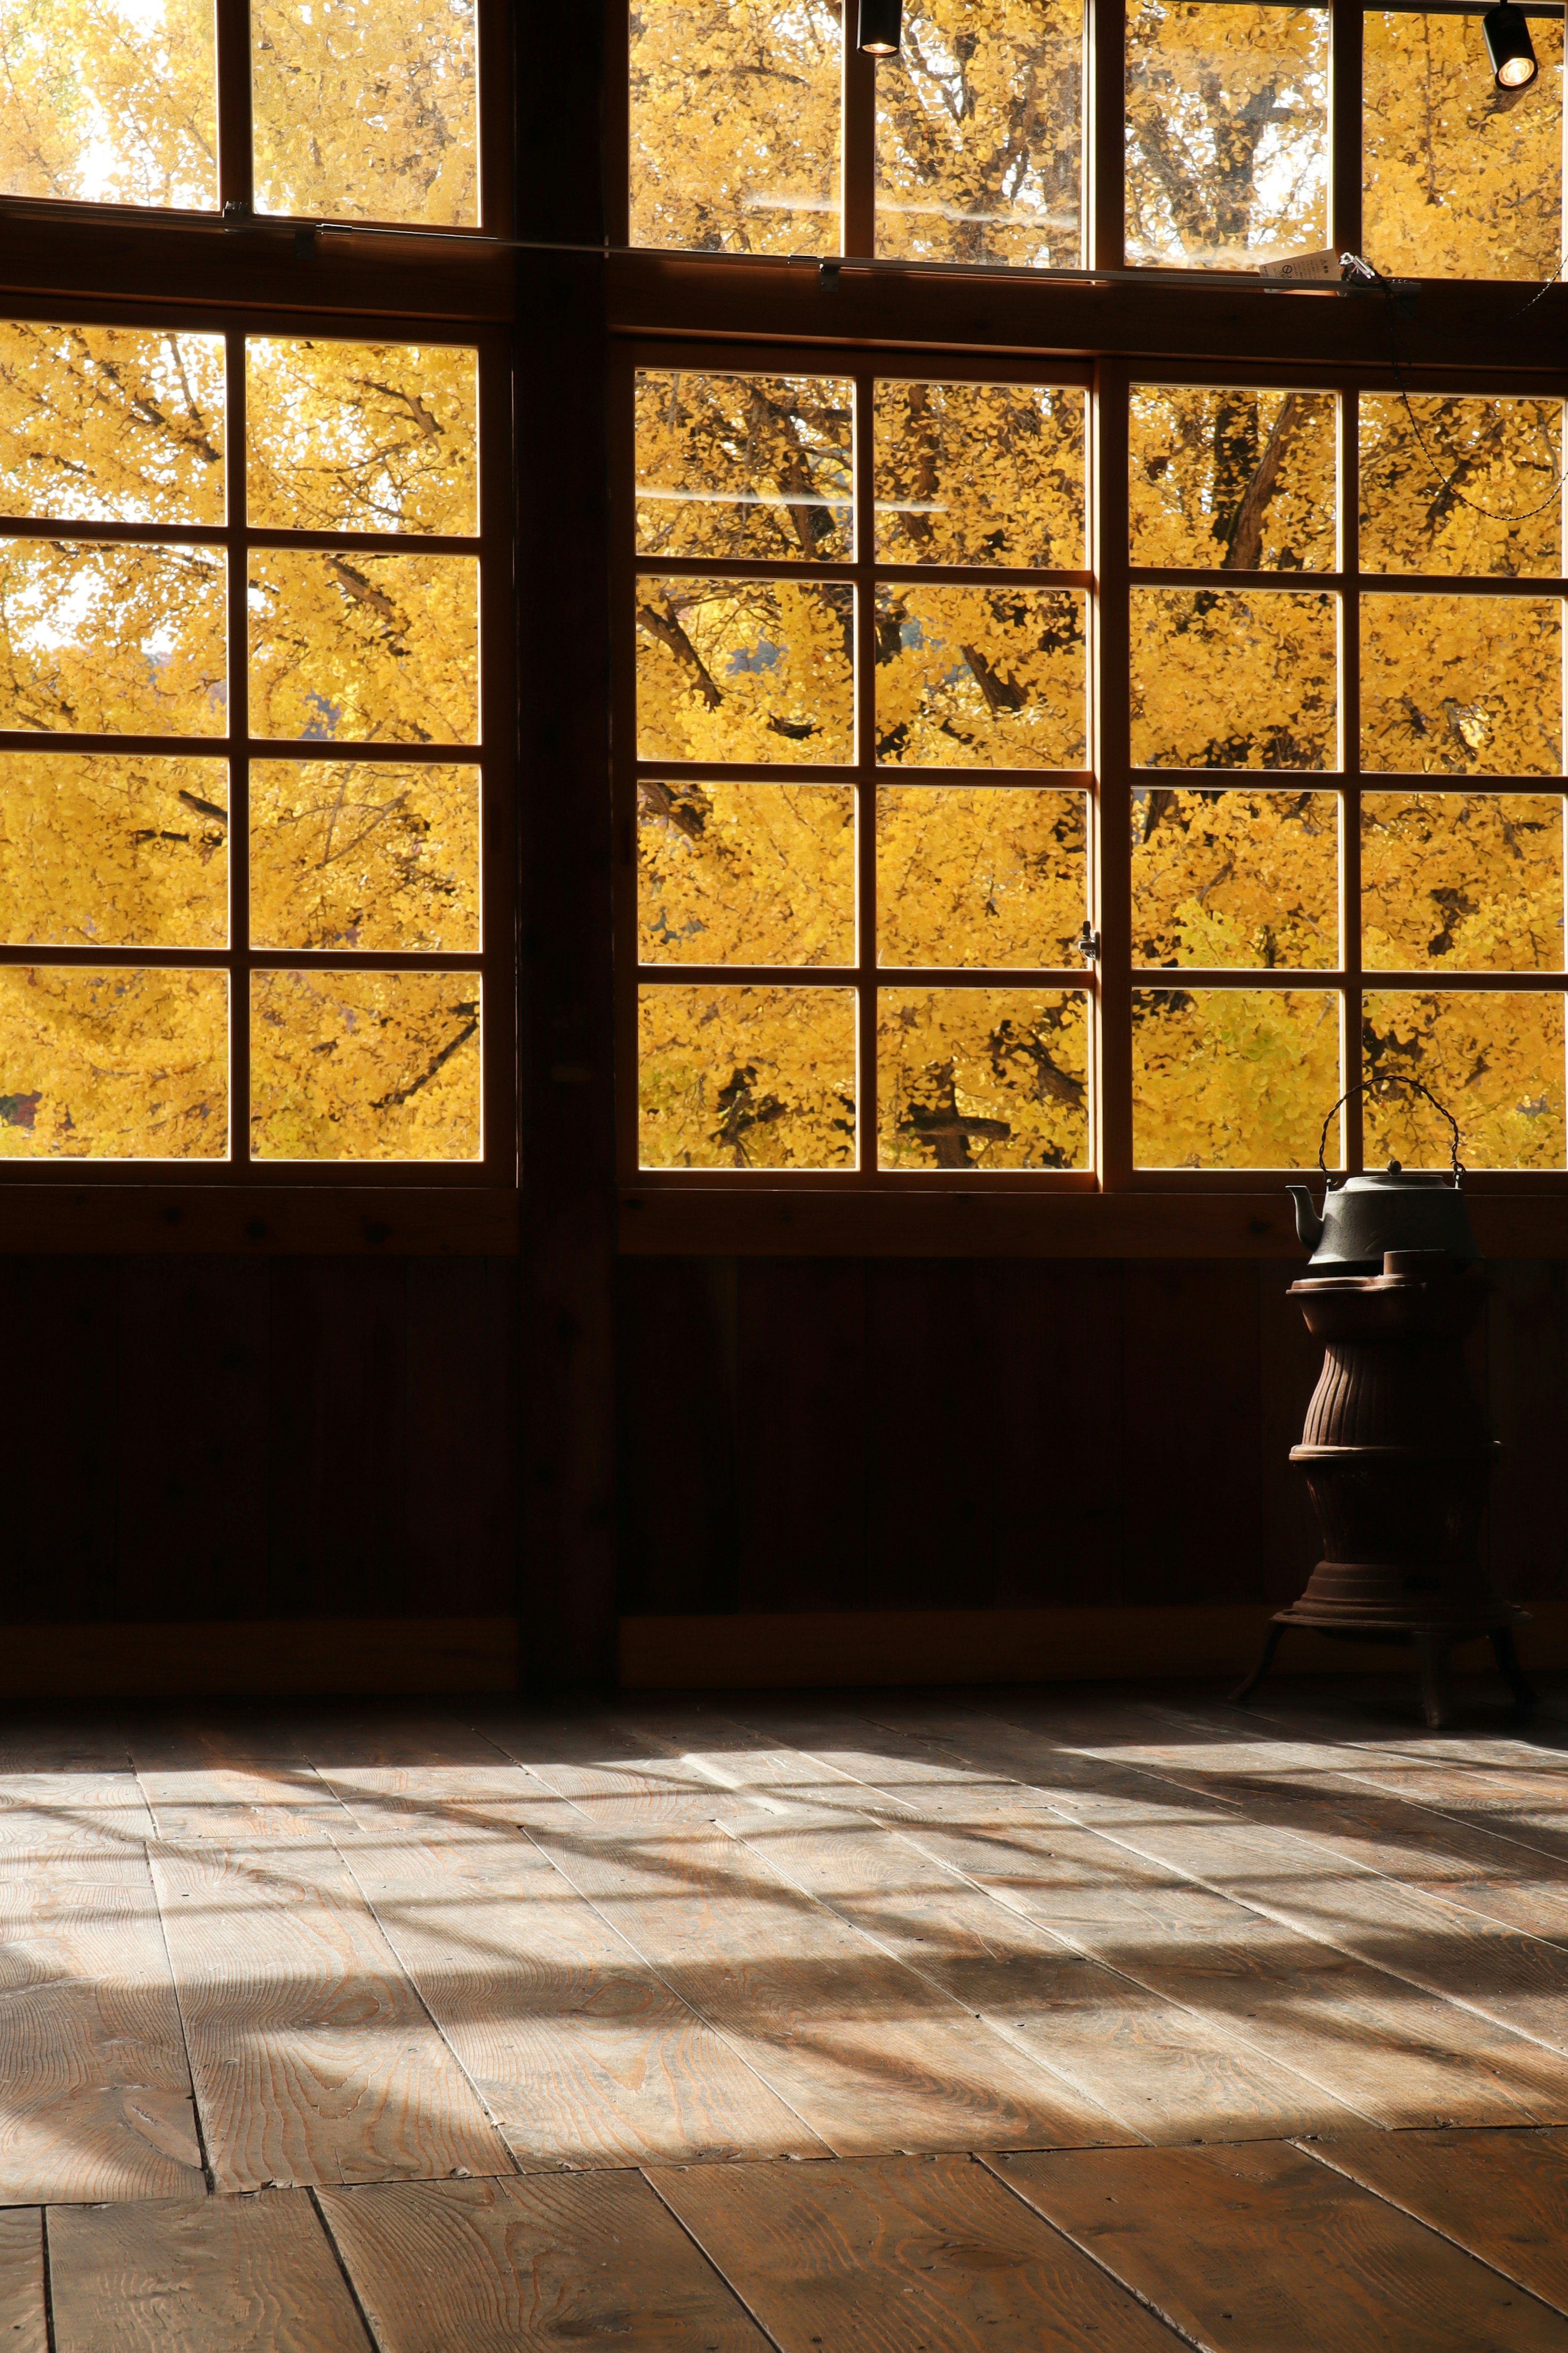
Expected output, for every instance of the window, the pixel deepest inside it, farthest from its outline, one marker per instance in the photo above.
(1079, 773)
(254, 726)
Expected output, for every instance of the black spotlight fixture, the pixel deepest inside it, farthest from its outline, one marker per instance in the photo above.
(1509, 47)
(882, 28)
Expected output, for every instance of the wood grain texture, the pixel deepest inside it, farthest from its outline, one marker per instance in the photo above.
(1503, 2196)
(1396, 2055)
(525, 2266)
(93, 1812)
(199, 2275)
(1162, 2072)
(868, 2053)
(313, 2057)
(581, 2053)
(24, 2321)
(1261, 2250)
(97, 2093)
(899, 2253)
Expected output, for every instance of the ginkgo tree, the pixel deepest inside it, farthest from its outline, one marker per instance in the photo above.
(110, 635)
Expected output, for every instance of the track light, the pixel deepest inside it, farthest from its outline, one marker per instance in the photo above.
(1509, 47)
(882, 26)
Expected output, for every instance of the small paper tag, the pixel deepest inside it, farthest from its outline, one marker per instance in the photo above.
(1303, 265)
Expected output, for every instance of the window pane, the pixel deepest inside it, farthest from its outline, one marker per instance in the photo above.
(1233, 678)
(108, 850)
(1451, 485)
(1493, 1058)
(364, 855)
(112, 639)
(731, 874)
(981, 473)
(986, 875)
(350, 647)
(113, 104)
(983, 1078)
(746, 1078)
(1452, 685)
(745, 670)
(361, 437)
(1243, 480)
(1226, 878)
(364, 110)
(1233, 1078)
(111, 424)
(1470, 881)
(745, 465)
(980, 134)
(1461, 179)
(364, 1065)
(735, 124)
(1228, 134)
(122, 1065)
(980, 678)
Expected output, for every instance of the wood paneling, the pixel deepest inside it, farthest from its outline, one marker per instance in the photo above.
(24, 2325)
(189, 1441)
(259, 1220)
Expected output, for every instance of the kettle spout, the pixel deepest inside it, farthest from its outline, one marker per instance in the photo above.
(1308, 1225)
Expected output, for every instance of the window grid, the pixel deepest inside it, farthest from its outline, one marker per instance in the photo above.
(237, 747)
(1108, 781)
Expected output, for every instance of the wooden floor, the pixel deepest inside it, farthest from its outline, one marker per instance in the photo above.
(915, 2023)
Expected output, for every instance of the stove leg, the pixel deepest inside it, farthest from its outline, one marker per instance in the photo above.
(1244, 1690)
(1437, 1687)
(1509, 1669)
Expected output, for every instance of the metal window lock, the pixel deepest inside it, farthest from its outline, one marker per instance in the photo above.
(1088, 943)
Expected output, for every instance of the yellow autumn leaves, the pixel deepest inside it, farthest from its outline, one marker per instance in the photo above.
(363, 109)
(1236, 704)
(107, 850)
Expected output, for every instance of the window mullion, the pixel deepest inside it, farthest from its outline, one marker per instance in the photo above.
(235, 163)
(1344, 124)
(1349, 764)
(239, 765)
(1110, 687)
(859, 134)
(1106, 116)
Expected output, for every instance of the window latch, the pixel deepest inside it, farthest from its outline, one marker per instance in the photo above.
(1088, 943)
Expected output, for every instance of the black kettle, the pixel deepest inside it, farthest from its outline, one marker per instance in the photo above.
(1401, 1209)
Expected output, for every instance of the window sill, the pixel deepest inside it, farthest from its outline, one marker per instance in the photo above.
(736, 1223)
(259, 1220)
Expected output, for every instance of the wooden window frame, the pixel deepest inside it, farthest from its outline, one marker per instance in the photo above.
(237, 275)
(1110, 326)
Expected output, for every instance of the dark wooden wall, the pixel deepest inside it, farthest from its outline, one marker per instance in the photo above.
(801, 1434)
(214, 1438)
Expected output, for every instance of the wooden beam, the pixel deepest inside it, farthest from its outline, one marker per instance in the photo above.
(745, 1222)
(265, 1657)
(259, 1220)
(793, 1651)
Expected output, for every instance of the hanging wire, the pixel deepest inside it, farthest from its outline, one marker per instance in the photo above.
(1362, 269)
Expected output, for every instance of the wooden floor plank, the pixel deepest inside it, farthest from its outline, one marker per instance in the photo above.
(97, 2100)
(1502, 2195)
(23, 2319)
(583, 2055)
(526, 2267)
(1377, 1909)
(1166, 2073)
(904, 2255)
(94, 1812)
(869, 2055)
(1258, 2249)
(1396, 2055)
(609, 1773)
(314, 2058)
(199, 2275)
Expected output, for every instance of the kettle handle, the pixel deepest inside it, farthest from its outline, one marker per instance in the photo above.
(1395, 1078)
